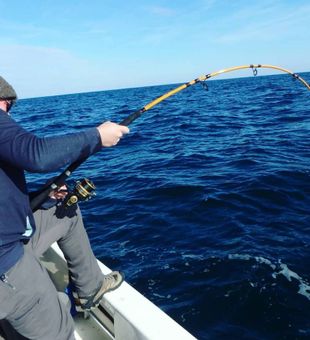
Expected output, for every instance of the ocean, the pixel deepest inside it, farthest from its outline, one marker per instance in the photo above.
(205, 204)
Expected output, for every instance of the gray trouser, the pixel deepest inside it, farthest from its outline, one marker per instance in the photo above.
(29, 300)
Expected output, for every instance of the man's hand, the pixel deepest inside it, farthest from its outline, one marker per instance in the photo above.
(60, 193)
(111, 133)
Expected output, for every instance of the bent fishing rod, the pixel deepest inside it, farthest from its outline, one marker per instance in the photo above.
(85, 188)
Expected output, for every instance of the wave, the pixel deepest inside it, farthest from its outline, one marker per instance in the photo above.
(278, 268)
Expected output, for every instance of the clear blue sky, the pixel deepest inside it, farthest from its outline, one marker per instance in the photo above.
(53, 47)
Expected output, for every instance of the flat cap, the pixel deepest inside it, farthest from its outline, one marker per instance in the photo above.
(6, 90)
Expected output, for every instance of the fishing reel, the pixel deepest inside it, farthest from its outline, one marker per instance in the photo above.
(84, 190)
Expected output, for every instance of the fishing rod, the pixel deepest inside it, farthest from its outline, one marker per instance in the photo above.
(84, 190)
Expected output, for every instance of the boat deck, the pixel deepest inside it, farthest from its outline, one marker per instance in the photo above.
(84, 329)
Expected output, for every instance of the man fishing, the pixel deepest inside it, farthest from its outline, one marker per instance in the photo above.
(28, 298)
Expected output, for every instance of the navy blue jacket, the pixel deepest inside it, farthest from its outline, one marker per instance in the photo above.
(19, 151)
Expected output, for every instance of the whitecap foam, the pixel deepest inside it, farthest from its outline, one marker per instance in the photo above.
(279, 268)
(304, 287)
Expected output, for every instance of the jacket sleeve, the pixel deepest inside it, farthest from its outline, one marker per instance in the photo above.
(26, 151)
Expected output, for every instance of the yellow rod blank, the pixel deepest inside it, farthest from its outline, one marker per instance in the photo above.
(217, 73)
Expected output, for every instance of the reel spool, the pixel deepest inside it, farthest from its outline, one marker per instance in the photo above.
(83, 191)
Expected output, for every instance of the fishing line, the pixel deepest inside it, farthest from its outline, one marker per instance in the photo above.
(59, 181)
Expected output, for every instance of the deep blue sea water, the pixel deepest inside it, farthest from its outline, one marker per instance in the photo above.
(205, 205)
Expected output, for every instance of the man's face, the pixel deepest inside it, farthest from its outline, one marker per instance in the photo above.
(6, 105)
